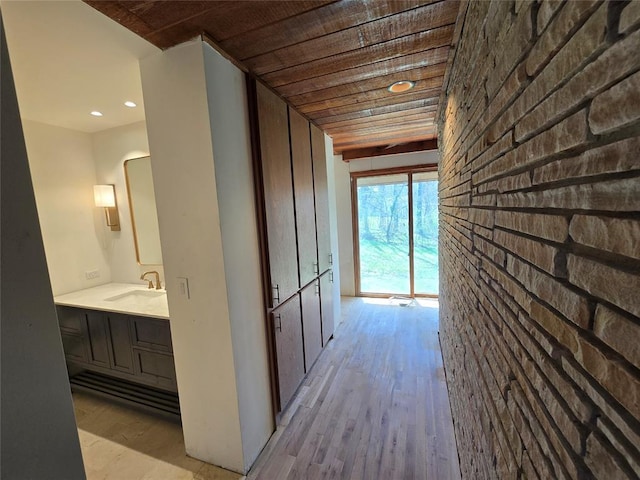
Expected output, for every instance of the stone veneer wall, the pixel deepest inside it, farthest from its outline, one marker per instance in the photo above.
(540, 240)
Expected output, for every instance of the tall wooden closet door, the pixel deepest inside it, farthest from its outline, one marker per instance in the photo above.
(321, 197)
(288, 333)
(326, 303)
(278, 194)
(303, 188)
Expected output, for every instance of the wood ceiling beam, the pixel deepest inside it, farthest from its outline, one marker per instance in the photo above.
(429, 87)
(398, 107)
(315, 23)
(388, 99)
(372, 123)
(368, 131)
(382, 141)
(410, 30)
(367, 152)
(364, 72)
(371, 84)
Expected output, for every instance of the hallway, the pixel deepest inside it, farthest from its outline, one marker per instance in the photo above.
(375, 404)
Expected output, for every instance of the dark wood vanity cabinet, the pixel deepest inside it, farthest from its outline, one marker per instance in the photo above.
(136, 349)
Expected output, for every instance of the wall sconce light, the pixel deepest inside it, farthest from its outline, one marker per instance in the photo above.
(105, 197)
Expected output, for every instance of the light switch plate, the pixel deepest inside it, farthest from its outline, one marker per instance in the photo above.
(183, 287)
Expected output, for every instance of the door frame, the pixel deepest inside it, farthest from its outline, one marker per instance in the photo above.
(409, 170)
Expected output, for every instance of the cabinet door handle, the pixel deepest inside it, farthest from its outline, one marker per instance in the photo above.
(276, 294)
(317, 285)
(331, 276)
(316, 269)
(331, 259)
(279, 325)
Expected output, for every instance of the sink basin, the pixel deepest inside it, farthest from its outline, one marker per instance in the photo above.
(137, 295)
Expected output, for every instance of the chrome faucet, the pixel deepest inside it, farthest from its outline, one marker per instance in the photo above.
(158, 284)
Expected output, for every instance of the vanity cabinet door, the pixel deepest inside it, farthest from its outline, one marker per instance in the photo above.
(289, 350)
(73, 332)
(155, 368)
(97, 339)
(304, 199)
(120, 343)
(321, 191)
(326, 306)
(277, 187)
(151, 333)
(74, 347)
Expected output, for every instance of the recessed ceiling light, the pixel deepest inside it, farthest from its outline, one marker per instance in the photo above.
(130, 104)
(96, 113)
(401, 86)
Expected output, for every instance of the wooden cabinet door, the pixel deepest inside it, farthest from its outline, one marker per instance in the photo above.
(304, 198)
(321, 190)
(311, 323)
(97, 338)
(278, 193)
(155, 368)
(326, 304)
(287, 324)
(120, 343)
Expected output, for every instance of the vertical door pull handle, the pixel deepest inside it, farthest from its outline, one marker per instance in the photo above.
(331, 259)
(331, 276)
(279, 325)
(276, 294)
(316, 269)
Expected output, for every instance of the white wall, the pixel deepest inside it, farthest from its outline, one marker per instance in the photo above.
(333, 222)
(73, 229)
(179, 129)
(111, 148)
(228, 113)
(342, 171)
(65, 164)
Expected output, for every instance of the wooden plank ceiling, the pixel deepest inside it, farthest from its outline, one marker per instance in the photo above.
(331, 60)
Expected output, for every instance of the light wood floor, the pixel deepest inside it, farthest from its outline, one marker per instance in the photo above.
(374, 406)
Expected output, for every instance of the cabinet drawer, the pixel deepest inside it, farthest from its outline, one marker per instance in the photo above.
(150, 333)
(70, 320)
(157, 368)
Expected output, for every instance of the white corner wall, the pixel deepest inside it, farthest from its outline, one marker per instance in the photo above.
(333, 222)
(110, 149)
(63, 174)
(228, 113)
(342, 176)
(179, 130)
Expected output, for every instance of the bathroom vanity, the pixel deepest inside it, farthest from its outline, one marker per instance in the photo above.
(117, 342)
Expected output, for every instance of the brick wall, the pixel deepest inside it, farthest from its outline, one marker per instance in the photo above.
(540, 240)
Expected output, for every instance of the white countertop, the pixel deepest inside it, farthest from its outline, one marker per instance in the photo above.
(101, 298)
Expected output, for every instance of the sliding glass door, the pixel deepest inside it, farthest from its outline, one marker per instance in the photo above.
(396, 233)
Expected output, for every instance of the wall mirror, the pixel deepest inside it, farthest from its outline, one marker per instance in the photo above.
(144, 216)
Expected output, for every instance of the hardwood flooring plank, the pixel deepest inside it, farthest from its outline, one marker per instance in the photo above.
(376, 406)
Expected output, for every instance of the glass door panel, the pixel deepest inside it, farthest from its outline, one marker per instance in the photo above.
(383, 234)
(425, 232)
